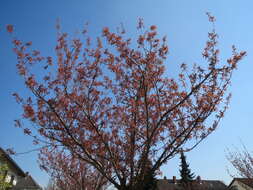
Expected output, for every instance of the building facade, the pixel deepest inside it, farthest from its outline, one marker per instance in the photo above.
(241, 184)
(18, 179)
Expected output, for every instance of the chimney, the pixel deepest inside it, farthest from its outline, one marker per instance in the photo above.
(198, 179)
(174, 179)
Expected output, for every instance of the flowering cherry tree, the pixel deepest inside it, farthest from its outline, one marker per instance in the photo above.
(69, 173)
(112, 106)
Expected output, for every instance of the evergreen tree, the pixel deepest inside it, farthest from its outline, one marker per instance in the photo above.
(186, 175)
(148, 180)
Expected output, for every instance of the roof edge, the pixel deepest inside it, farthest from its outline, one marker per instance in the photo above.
(13, 162)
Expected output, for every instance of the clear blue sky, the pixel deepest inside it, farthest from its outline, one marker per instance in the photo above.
(185, 24)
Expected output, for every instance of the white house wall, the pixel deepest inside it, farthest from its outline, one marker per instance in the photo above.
(11, 173)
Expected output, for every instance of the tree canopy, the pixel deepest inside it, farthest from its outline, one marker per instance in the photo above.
(242, 161)
(69, 173)
(111, 105)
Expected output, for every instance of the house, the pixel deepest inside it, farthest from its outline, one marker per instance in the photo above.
(241, 184)
(19, 179)
(198, 184)
(26, 183)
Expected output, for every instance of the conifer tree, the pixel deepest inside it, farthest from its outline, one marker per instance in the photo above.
(186, 175)
(148, 179)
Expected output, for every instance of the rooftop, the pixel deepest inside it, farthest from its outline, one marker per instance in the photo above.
(173, 184)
